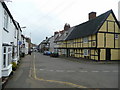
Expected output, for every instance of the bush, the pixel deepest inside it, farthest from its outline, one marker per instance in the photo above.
(14, 66)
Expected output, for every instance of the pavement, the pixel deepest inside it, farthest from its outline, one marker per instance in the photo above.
(40, 71)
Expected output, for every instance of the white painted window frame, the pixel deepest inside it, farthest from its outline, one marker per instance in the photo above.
(6, 19)
(86, 52)
(85, 40)
(8, 56)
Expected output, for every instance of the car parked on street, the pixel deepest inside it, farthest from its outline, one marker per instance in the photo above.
(47, 53)
(54, 54)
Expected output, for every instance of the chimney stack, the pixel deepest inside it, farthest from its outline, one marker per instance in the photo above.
(92, 15)
(56, 33)
(66, 26)
(46, 37)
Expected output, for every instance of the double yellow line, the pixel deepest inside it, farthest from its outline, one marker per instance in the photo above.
(41, 79)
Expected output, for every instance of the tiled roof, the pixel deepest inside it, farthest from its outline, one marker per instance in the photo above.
(90, 27)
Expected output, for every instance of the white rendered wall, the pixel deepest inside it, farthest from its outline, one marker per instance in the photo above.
(26, 47)
(9, 36)
(1, 11)
(1, 60)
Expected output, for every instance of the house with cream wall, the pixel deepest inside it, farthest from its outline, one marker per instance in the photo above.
(97, 39)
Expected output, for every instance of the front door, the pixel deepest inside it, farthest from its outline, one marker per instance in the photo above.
(108, 54)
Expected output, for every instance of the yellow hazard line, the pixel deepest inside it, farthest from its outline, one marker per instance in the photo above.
(55, 81)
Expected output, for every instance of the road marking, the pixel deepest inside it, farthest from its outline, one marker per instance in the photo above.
(55, 81)
(51, 70)
(70, 71)
(62, 82)
(83, 71)
(75, 71)
(59, 71)
(94, 71)
(115, 71)
(105, 71)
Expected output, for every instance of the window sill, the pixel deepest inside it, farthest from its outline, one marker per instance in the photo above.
(6, 68)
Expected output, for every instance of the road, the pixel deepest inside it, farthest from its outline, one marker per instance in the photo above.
(40, 71)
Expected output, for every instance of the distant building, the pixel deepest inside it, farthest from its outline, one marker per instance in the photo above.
(51, 46)
(44, 45)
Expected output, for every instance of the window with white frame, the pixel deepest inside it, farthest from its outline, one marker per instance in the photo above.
(86, 52)
(85, 40)
(5, 20)
(7, 56)
(15, 33)
(116, 36)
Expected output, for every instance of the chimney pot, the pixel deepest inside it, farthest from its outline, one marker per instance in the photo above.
(56, 33)
(66, 26)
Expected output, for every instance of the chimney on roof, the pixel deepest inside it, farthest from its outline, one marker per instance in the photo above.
(66, 26)
(92, 15)
(55, 33)
(46, 37)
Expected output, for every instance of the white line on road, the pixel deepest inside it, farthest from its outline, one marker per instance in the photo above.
(51, 70)
(59, 71)
(115, 71)
(70, 71)
(83, 71)
(105, 71)
(76, 71)
(41, 69)
(94, 71)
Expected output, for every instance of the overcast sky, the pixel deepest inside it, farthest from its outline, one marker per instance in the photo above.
(43, 17)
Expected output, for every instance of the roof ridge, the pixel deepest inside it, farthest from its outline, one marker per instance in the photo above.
(89, 27)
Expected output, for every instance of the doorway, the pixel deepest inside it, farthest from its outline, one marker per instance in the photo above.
(108, 54)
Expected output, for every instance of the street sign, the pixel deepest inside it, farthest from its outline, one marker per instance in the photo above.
(19, 43)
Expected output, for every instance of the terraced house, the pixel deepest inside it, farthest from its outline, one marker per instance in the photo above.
(96, 39)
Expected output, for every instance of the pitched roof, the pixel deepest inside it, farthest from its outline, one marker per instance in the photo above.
(90, 27)
(65, 34)
(6, 8)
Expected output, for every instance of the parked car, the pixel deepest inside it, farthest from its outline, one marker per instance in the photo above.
(46, 53)
(54, 54)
